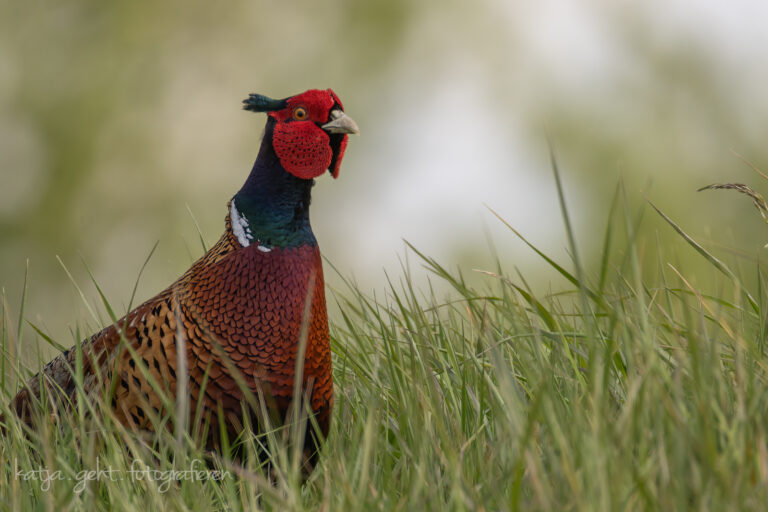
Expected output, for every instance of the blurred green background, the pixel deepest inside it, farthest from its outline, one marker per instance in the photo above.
(116, 116)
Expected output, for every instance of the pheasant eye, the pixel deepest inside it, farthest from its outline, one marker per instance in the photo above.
(299, 113)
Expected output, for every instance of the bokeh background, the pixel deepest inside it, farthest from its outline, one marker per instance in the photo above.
(118, 117)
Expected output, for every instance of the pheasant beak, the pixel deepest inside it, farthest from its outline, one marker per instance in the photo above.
(341, 123)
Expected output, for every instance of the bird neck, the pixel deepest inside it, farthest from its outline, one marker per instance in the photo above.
(272, 207)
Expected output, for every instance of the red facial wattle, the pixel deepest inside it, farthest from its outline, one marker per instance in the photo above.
(303, 148)
(338, 154)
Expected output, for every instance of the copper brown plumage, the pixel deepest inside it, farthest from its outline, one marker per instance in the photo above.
(242, 313)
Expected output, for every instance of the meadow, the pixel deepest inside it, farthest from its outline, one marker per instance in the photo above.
(632, 388)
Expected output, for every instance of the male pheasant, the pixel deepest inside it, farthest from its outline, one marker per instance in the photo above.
(245, 311)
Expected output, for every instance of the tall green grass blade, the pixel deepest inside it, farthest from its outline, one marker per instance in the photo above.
(20, 324)
(138, 277)
(199, 231)
(4, 354)
(607, 240)
(719, 265)
(560, 270)
(79, 291)
(53, 343)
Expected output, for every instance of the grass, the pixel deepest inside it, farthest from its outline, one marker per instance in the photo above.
(631, 390)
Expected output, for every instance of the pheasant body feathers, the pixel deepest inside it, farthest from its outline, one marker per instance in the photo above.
(249, 313)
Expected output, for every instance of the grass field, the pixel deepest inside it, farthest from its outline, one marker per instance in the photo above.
(629, 391)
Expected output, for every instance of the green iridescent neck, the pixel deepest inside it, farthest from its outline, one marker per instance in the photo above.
(272, 207)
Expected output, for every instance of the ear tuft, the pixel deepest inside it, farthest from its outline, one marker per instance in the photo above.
(260, 103)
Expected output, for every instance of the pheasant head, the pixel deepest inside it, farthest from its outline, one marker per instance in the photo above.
(310, 131)
(305, 135)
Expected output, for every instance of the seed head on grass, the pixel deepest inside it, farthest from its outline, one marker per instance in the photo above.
(757, 199)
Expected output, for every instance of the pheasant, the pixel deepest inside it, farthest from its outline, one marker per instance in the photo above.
(242, 314)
